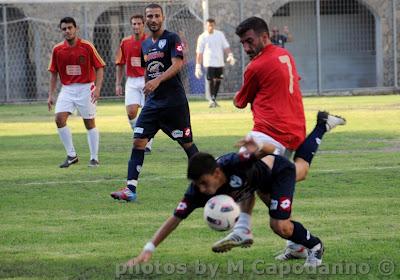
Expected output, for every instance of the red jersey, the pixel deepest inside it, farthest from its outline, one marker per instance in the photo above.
(75, 64)
(129, 54)
(271, 86)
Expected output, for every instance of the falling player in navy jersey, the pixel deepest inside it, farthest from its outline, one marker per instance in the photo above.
(240, 175)
(166, 106)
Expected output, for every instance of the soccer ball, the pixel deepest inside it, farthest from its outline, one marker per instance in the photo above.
(221, 212)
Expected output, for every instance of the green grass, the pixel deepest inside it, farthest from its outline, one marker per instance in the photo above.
(62, 224)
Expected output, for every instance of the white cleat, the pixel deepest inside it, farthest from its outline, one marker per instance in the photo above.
(331, 121)
(237, 238)
(293, 251)
(315, 254)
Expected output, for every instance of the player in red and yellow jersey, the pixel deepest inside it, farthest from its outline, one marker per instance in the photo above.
(80, 68)
(128, 55)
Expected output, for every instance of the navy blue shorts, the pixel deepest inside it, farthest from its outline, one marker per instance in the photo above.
(280, 188)
(173, 121)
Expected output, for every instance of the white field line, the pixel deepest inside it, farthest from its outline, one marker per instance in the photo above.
(159, 178)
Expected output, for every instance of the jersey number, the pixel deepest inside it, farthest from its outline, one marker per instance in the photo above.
(286, 60)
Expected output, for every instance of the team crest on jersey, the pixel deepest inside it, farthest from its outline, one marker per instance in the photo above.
(81, 59)
(235, 181)
(162, 43)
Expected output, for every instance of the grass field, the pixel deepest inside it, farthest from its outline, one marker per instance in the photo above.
(62, 224)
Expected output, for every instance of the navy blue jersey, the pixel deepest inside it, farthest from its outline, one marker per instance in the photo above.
(156, 58)
(245, 174)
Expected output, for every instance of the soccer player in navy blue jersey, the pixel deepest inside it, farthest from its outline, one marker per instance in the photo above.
(166, 106)
(240, 175)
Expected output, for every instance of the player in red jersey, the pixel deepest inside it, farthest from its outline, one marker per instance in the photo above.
(129, 54)
(80, 68)
(271, 86)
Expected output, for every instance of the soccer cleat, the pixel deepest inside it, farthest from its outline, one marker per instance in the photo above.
(315, 254)
(213, 104)
(124, 194)
(93, 163)
(69, 161)
(236, 238)
(147, 151)
(330, 121)
(293, 251)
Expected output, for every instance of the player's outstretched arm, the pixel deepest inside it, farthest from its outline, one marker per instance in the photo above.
(169, 226)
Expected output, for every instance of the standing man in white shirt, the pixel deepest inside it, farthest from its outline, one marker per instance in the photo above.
(210, 49)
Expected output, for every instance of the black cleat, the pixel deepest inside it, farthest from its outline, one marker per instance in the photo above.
(69, 161)
(93, 163)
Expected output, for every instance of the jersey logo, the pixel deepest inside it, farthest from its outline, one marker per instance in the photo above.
(135, 61)
(179, 47)
(177, 133)
(285, 204)
(181, 206)
(138, 130)
(73, 70)
(235, 181)
(162, 43)
(273, 205)
(187, 132)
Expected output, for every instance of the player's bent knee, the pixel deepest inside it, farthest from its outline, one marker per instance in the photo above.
(283, 228)
(140, 143)
(302, 168)
(89, 123)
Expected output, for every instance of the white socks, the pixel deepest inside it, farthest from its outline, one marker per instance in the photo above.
(149, 144)
(244, 222)
(93, 140)
(132, 123)
(66, 139)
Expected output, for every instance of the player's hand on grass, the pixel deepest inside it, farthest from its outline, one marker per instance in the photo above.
(50, 102)
(151, 86)
(144, 257)
(118, 90)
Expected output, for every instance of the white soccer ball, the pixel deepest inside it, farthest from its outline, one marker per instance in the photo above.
(221, 212)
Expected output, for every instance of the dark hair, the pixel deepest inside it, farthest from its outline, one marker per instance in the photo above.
(201, 164)
(154, 6)
(257, 24)
(137, 17)
(211, 20)
(67, 20)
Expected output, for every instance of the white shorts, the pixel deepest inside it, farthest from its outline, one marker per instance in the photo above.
(134, 91)
(264, 138)
(76, 97)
